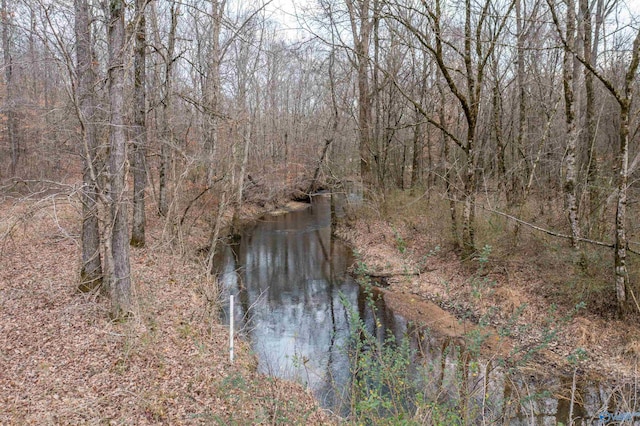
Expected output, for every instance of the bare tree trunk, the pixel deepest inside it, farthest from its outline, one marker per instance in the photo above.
(165, 160)
(91, 272)
(520, 142)
(213, 89)
(139, 128)
(416, 160)
(378, 136)
(620, 257)
(245, 131)
(447, 173)
(469, 206)
(9, 101)
(621, 272)
(417, 167)
(590, 53)
(167, 108)
(497, 128)
(361, 26)
(569, 68)
(33, 55)
(120, 282)
(470, 107)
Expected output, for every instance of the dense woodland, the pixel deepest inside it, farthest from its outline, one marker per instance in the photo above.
(524, 108)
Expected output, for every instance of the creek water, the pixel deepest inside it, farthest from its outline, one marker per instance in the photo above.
(289, 277)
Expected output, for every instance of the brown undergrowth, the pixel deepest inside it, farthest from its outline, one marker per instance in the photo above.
(526, 285)
(62, 361)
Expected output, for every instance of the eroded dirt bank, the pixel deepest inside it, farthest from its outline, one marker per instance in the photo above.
(432, 286)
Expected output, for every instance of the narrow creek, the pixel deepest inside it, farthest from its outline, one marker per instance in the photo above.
(289, 277)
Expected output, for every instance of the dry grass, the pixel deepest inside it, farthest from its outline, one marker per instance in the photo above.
(62, 361)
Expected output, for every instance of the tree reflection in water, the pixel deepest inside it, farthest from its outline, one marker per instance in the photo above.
(288, 274)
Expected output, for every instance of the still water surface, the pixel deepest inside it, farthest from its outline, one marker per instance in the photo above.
(289, 275)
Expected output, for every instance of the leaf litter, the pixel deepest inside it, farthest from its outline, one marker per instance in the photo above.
(62, 361)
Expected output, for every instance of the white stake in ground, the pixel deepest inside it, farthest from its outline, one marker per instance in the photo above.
(231, 328)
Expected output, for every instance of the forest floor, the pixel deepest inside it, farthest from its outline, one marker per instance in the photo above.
(62, 361)
(526, 299)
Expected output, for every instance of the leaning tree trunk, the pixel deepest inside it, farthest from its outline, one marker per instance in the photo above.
(120, 281)
(140, 131)
(91, 272)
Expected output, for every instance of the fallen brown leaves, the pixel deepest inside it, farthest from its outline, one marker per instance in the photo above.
(63, 361)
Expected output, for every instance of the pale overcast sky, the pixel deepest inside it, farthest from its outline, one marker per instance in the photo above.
(284, 11)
